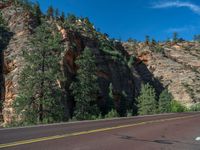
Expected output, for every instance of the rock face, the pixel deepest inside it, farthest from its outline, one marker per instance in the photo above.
(19, 24)
(110, 70)
(177, 68)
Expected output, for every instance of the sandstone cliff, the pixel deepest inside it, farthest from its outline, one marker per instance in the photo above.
(110, 68)
(176, 67)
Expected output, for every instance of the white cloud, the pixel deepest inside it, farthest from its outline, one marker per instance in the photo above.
(178, 4)
(185, 29)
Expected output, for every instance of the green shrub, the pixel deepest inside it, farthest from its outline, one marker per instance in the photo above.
(195, 107)
(177, 107)
(112, 114)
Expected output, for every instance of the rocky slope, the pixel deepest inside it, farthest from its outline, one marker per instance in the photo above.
(177, 67)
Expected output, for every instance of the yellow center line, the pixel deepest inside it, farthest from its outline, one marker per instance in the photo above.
(30, 141)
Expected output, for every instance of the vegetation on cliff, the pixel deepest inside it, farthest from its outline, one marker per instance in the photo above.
(91, 84)
(40, 93)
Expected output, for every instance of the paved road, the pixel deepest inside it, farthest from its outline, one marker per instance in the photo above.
(160, 132)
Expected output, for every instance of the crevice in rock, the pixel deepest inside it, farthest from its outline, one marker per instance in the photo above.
(2, 84)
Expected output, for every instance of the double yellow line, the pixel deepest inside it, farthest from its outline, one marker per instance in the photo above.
(23, 142)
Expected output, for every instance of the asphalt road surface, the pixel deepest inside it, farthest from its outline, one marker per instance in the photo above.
(159, 132)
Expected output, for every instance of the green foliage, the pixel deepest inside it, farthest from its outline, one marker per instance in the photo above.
(57, 13)
(71, 18)
(112, 114)
(62, 17)
(195, 107)
(37, 13)
(153, 42)
(158, 49)
(147, 103)
(85, 88)
(123, 105)
(197, 38)
(26, 4)
(4, 37)
(131, 61)
(165, 99)
(177, 107)
(50, 12)
(130, 40)
(147, 40)
(110, 101)
(39, 100)
(108, 48)
(175, 37)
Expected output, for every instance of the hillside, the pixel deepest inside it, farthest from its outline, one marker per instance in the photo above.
(175, 68)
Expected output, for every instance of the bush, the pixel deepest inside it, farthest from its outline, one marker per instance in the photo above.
(112, 114)
(177, 107)
(195, 107)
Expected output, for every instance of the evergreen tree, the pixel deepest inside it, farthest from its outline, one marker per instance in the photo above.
(175, 37)
(197, 38)
(110, 102)
(153, 42)
(147, 103)
(147, 40)
(50, 12)
(39, 100)
(37, 13)
(62, 17)
(123, 105)
(71, 18)
(165, 99)
(85, 89)
(57, 13)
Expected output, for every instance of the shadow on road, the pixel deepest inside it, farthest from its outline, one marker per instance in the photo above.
(159, 141)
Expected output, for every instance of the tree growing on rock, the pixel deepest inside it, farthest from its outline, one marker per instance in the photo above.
(37, 13)
(175, 37)
(50, 12)
(85, 89)
(39, 100)
(147, 103)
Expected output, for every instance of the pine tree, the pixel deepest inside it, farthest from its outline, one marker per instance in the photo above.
(62, 17)
(39, 100)
(123, 105)
(50, 12)
(147, 41)
(110, 102)
(57, 13)
(153, 42)
(85, 89)
(71, 18)
(37, 13)
(165, 99)
(147, 103)
(175, 37)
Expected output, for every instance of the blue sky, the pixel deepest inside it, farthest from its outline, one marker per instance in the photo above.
(122, 19)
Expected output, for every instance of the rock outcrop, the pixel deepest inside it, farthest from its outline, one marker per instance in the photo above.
(20, 24)
(177, 67)
(110, 70)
